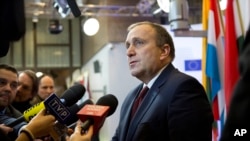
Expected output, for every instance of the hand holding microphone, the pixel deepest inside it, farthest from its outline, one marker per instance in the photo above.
(61, 126)
(39, 126)
(79, 136)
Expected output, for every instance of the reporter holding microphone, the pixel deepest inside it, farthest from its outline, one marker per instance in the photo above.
(39, 126)
(78, 135)
(42, 124)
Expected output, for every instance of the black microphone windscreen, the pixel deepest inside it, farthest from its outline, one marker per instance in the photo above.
(108, 100)
(73, 94)
(76, 108)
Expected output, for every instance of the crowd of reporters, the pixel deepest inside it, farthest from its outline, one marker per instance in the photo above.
(20, 89)
(41, 125)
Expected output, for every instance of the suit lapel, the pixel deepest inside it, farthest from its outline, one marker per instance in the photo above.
(126, 118)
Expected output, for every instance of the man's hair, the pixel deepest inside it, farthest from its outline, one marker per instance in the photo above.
(161, 36)
(41, 77)
(9, 68)
(32, 75)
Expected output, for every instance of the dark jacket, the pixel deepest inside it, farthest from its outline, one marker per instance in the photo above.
(10, 115)
(176, 108)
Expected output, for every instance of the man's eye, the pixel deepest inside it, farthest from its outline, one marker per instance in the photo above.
(127, 45)
(138, 42)
(14, 85)
(3, 82)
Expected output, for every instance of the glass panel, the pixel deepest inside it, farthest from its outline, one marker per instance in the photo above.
(76, 43)
(53, 56)
(29, 44)
(17, 50)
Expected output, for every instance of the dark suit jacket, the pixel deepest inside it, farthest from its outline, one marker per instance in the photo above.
(175, 108)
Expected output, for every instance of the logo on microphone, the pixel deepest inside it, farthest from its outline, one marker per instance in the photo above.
(56, 108)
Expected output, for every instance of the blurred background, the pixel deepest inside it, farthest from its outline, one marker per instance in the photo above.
(54, 40)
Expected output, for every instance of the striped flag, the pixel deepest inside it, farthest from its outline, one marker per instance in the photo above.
(234, 41)
(205, 78)
(215, 63)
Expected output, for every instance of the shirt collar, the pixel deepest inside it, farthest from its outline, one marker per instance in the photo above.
(151, 82)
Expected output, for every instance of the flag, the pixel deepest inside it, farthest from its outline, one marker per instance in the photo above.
(234, 41)
(215, 63)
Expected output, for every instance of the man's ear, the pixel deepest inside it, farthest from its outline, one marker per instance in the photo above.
(165, 51)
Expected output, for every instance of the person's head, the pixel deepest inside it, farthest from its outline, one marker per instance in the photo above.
(149, 48)
(46, 86)
(27, 86)
(8, 85)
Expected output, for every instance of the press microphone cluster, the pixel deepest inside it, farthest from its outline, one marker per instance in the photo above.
(61, 125)
(96, 114)
(54, 105)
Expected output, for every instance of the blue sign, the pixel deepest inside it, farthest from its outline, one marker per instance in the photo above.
(193, 65)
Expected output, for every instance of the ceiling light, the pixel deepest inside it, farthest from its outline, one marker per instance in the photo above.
(35, 19)
(91, 26)
(62, 7)
(178, 15)
(39, 74)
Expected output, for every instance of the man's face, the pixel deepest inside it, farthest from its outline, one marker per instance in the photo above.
(24, 90)
(144, 56)
(8, 87)
(46, 87)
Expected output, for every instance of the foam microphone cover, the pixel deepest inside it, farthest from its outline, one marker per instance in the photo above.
(73, 94)
(96, 114)
(108, 100)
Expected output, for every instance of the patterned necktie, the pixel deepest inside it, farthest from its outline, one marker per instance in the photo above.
(138, 100)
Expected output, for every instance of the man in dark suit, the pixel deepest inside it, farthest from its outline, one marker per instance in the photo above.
(8, 89)
(175, 107)
(238, 115)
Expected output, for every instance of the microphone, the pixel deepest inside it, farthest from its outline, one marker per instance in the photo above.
(96, 114)
(68, 98)
(73, 94)
(60, 128)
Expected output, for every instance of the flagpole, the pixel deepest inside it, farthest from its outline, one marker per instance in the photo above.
(205, 10)
(240, 18)
(221, 19)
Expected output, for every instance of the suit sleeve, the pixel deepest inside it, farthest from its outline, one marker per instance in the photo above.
(190, 116)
